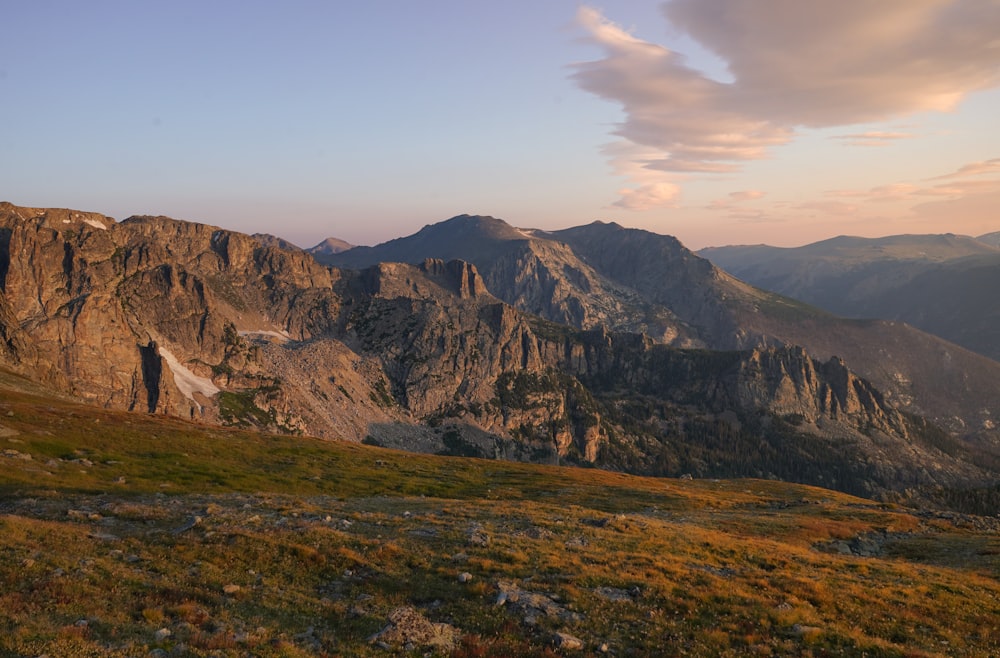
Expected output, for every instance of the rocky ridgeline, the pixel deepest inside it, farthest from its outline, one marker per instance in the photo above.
(157, 315)
(634, 281)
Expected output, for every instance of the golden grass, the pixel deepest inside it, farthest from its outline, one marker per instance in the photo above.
(303, 548)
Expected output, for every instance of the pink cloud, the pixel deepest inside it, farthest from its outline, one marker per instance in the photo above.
(793, 65)
(648, 196)
(838, 208)
(873, 138)
(734, 198)
(746, 195)
(974, 169)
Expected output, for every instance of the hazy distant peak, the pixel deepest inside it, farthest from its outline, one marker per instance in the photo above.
(992, 239)
(330, 246)
(600, 230)
(479, 226)
(599, 222)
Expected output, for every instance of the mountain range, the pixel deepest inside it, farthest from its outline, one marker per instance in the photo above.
(594, 345)
(942, 284)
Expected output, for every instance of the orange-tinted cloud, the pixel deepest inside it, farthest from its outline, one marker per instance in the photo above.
(793, 64)
(650, 195)
(974, 169)
(965, 181)
(746, 195)
(873, 138)
(734, 198)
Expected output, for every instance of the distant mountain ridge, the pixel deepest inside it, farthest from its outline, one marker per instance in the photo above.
(163, 316)
(992, 239)
(943, 284)
(632, 280)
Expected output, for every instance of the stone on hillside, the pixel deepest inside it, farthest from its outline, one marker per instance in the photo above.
(192, 522)
(803, 630)
(615, 594)
(407, 627)
(477, 535)
(567, 642)
(465, 577)
(532, 605)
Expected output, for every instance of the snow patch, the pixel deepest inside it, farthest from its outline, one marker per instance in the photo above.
(527, 234)
(92, 222)
(187, 382)
(282, 336)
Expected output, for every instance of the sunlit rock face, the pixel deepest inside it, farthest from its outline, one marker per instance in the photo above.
(550, 349)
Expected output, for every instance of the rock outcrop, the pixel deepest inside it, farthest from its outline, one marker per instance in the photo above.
(164, 316)
(634, 281)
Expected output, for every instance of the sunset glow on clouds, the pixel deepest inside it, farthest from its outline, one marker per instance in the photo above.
(794, 67)
(873, 138)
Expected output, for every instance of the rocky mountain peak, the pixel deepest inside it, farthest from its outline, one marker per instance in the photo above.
(164, 316)
(477, 227)
(330, 246)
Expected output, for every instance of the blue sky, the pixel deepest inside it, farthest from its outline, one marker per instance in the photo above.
(365, 121)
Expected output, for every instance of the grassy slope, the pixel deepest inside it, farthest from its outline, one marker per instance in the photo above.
(304, 548)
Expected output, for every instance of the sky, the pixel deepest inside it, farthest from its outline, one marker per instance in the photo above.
(717, 121)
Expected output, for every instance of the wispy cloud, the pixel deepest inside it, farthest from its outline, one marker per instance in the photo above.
(793, 65)
(746, 195)
(873, 138)
(649, 195)
(974, 169)
(879, 194)
(965, 182)
(650, 189)
(734, 198)
(833, 208)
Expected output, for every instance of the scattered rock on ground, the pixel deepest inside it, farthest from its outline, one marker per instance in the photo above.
(567, 642)
(408, 627)
(532, 605)
(615, 594)
(477, 535)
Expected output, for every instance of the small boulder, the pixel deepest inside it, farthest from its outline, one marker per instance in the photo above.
(567, 642)
(477, 535)
(408, 627)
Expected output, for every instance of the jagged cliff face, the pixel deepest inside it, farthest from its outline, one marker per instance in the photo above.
(636, 281)
(158, 315)
(532, 272)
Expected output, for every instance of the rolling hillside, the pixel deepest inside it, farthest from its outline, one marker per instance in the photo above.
(131, 534)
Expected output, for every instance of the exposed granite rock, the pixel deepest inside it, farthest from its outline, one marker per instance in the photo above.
(408, 629)
(163, 316)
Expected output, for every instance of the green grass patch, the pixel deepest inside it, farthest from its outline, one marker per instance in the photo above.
(124, 534)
